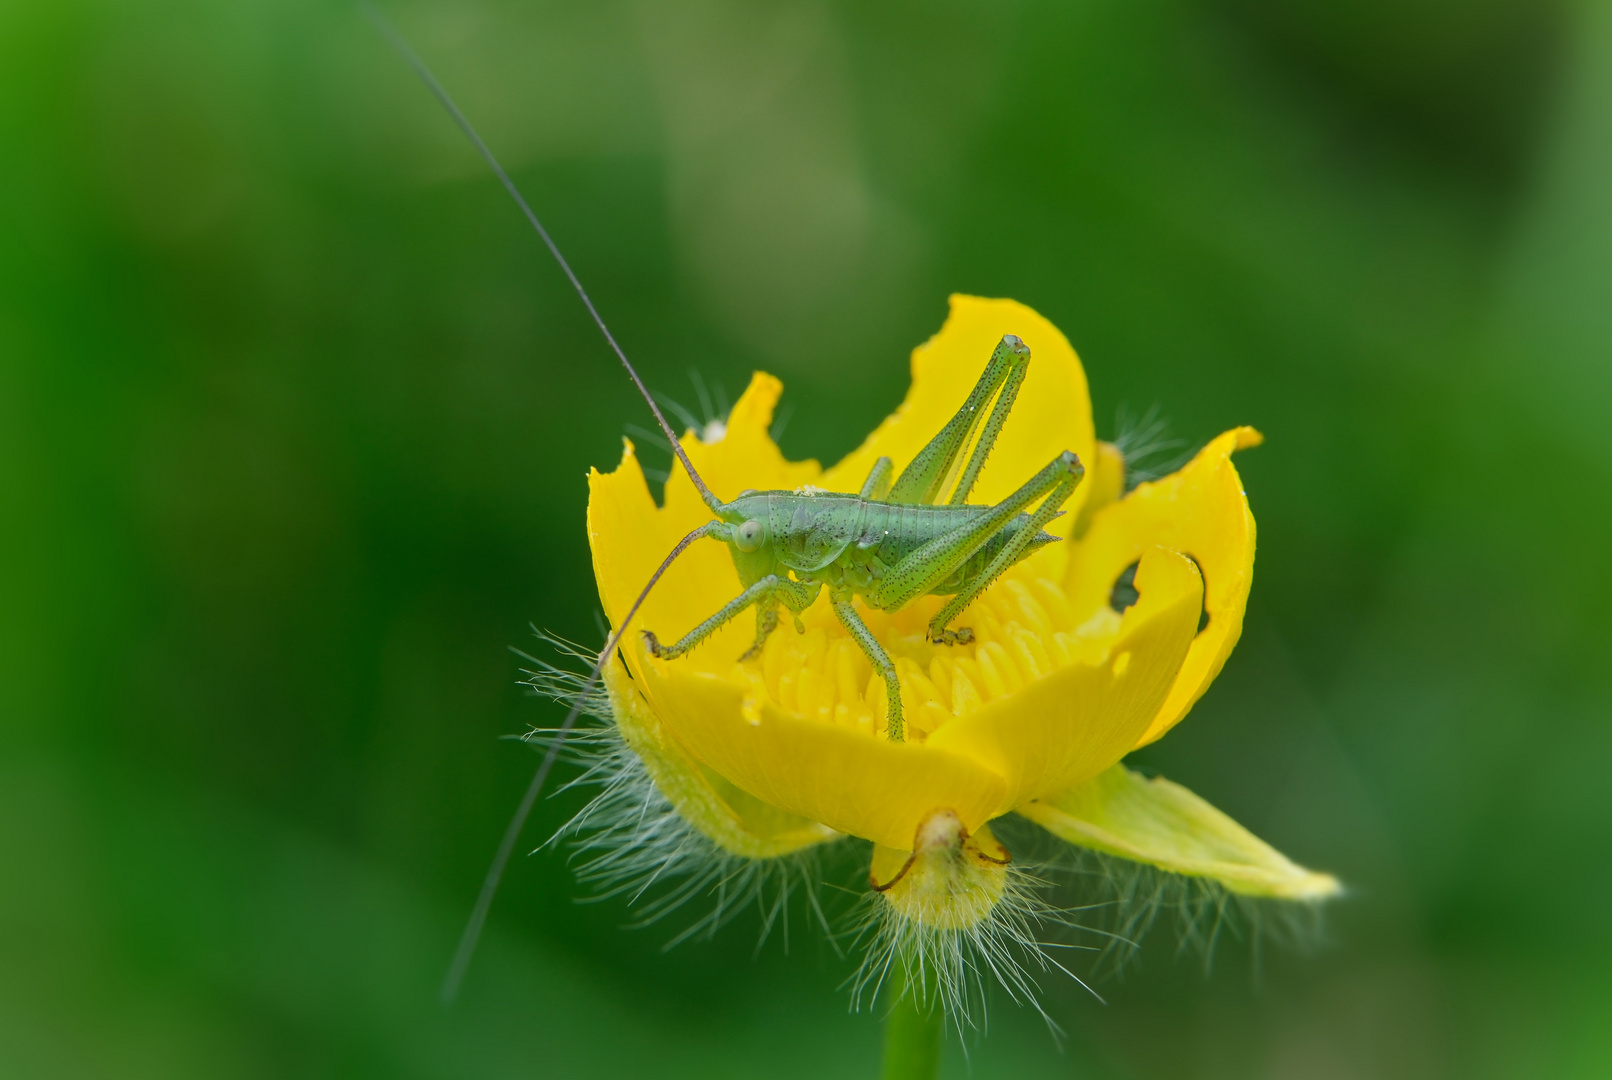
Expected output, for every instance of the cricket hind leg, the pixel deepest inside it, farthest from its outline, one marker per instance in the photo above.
(1067, 479)
(877, 485)
(993, 425)
(922, 480)
(895, 727)
(925, 569)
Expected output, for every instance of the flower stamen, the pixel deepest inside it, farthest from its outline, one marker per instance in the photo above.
(1024, 630)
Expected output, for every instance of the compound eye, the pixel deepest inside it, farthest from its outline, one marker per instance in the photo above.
(750, 536)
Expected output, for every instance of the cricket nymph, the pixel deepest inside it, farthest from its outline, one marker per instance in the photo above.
(890, 543)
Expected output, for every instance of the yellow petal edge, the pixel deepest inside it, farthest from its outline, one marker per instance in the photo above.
(733, 819)
(1163, 824)
(1202, 512)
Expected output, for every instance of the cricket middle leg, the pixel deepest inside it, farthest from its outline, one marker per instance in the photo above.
(894, 725)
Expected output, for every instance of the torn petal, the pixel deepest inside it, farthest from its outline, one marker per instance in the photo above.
(1202, 512)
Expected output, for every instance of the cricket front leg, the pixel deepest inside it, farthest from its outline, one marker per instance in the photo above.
(894, 725)
(761, 592)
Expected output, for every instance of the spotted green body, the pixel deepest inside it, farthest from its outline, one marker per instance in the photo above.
(849, 544)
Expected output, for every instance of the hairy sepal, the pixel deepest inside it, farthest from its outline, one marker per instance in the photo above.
(1121, 813)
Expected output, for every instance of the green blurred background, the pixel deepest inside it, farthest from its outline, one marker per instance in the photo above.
(295, 415)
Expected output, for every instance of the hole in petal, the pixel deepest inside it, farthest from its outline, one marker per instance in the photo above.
(1121, 662)
(1203, 608)
(1124, 593)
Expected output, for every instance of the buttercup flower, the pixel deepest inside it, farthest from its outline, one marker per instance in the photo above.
(1081, 653)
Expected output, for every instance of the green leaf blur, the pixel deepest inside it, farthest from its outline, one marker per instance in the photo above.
(295, 415)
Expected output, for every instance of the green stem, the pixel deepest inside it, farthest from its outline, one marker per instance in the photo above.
(912, 1032)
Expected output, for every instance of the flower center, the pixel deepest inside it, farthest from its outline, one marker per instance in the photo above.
(1023, 628)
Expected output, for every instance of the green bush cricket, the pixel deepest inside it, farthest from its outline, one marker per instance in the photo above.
(889, 543)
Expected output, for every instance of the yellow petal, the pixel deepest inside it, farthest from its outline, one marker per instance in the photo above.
(745, 456)
(630, 536)
(1105, 481)
(1052, 413)
(1200, 511)
(1077, 721)
(1167, 826)
(735, 820)
(846, 780)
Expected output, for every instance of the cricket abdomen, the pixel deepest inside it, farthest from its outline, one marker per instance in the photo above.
(849, 543)
(892, 531)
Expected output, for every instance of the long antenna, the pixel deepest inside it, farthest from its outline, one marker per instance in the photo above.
(489, 886)
(408, 54)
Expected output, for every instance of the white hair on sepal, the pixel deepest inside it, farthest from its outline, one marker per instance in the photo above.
(629, 839)
(958, 967)
(1131, 898)
(1145, 442)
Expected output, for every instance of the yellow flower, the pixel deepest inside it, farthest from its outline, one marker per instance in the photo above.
(1083, 652)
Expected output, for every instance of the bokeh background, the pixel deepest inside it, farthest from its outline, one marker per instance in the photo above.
(295, 415)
